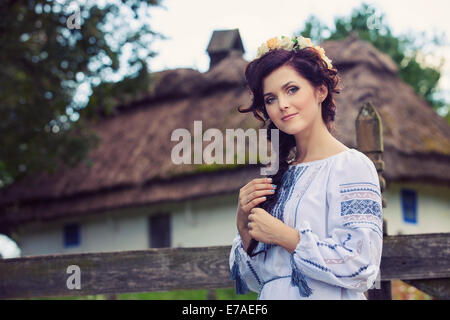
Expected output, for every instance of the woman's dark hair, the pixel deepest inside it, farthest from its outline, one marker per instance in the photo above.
(309, 64)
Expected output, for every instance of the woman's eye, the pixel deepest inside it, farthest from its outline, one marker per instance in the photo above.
(292, 89)
(269, 100)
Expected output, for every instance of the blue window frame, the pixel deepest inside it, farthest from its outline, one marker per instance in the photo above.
(409, 205)
(71, 234)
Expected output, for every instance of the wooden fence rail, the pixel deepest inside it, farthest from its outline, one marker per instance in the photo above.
(423, 260)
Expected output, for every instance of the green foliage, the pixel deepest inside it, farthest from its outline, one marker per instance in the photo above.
(405, 50)
(44, 62)
(221, 294)
(230, 294)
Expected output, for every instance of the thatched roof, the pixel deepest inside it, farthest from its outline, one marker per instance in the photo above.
(132, 165)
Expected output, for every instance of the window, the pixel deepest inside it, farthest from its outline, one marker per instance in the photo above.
(160, 232)
(409, 205)
(71, 235)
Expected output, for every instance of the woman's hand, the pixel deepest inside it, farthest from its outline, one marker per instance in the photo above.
(250, 195)
(266, 228)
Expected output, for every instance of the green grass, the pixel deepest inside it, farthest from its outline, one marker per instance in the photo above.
(221, 294)
(229, 294)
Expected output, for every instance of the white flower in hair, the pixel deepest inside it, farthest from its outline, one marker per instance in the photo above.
(262, 50)
(286, 43)
(304, 42)
(294, 43)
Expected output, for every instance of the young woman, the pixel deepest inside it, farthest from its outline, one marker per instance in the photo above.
(317, 222)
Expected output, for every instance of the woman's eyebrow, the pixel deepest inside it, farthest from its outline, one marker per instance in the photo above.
(282, 87)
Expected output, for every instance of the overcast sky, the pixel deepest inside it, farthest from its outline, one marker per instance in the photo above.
(189, 26)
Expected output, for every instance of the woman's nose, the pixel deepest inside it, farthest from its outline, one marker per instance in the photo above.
(283, 103)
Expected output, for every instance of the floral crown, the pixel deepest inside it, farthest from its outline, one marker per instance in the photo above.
(294, 43)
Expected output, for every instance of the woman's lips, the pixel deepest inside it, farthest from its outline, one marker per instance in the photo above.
(285, 118)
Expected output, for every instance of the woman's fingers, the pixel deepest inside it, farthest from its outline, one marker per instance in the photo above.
(255, 192)
(257, 184)
(255, 189)
(258, 194)
(253, 203)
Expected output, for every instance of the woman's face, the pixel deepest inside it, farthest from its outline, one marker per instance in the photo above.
(287, 93)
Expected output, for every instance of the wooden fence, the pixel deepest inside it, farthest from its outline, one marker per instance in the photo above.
(421, 260)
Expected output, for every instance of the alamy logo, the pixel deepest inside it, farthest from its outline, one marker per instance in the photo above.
(74, 21)
(214, 152)
(74, 280)
(374, 19)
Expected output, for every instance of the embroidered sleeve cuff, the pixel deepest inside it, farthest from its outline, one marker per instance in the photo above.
(306, 240)
(244, 269)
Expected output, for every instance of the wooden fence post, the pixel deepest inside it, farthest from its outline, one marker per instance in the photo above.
(369, 140)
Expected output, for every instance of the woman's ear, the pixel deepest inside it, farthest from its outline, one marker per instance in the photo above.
(322, 93)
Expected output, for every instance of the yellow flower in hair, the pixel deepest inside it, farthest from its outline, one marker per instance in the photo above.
(321, 51)
(273, 43)
(328, 61)
(323, 56)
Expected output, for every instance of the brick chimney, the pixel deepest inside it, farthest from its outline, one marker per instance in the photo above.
(222, 43)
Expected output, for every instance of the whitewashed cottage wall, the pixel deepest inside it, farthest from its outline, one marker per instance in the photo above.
(210, 222)
(433, 209)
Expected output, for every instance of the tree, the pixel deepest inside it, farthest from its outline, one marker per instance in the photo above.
(405, 50)
(50, 49)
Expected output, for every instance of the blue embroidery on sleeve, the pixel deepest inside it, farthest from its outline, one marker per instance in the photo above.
(349, 236)
(325, 269)
(331, 246)
(361, 206)
(348, 184)
(240, 285)
(298, 279)
(254, 273)
(361, 189)
(377, 228)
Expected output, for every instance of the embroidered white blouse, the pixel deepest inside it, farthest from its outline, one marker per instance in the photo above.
(335, 204)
